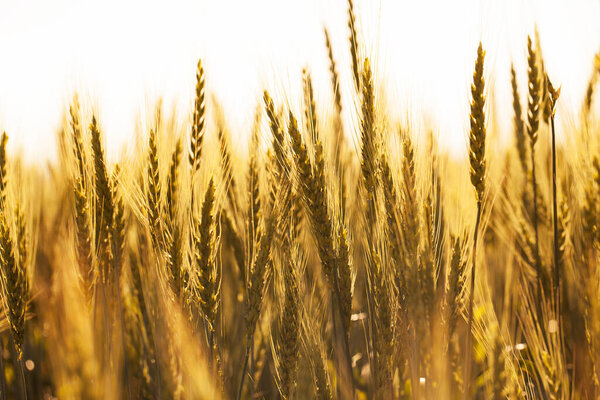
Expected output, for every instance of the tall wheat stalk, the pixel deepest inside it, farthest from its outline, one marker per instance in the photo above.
(478, 172)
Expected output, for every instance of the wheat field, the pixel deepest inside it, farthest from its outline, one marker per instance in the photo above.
(344, 255)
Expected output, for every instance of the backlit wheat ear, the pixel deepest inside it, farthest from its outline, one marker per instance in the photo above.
(519, 125)
(174, 238)
(14, 279)
(198, 121)
(390, 200)
(257, 276)
(118, 224)
(346, 286)
(82, 211)
(228, 178)
(173, 181)
(310, 112)
(353, 38)
(279, 147)
(335, 80)
(589, 217)
(253, 184)
(456, 283)
(533, 121)
(410, 218)
(369, 144)
(383, 337)
(3, 177)
(103, 200)
(313, 190)
(478, 173)
(337, 149)
(205, 262)
(589, 93)
(13, 273)
(289, 329)
(153, 190)
(477, 132)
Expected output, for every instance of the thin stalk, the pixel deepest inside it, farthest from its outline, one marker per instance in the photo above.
(252, 371)
(22, 378)
(468, 349)
(2, 376)
(555, 221)
(244, 369)
(123, 339)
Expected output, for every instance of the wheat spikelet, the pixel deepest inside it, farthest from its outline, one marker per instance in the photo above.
(519, 125)
(589, 92)
(173, 181)
(589, 217)
(390, 201)
(82, 216)
(289, 328)
(456, 283)
(253, 183)
(313, 190)
(279, 146)
(153, 191)
(257, 274)
(310, 112)
(353, 45)
(228, 179)
(207, 291)
(368, 146)
(16, 288)
(533, 121)
(346, 287)
(410, 219)
(198, 121)
(498, 370)
(318, 362)
(22, 238)
(337, 148)
(175, 272)
(103, 201)
(477, 132)
(3, 177)
(118, 224)
(384, 328)
(335, 80)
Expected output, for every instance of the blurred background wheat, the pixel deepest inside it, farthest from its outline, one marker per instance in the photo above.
(346, 254)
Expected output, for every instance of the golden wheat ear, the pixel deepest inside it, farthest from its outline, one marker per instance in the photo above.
(533, 122)
(153, 190)
(519, 124)
(198, 121)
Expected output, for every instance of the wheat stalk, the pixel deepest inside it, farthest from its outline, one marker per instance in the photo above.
(477, 172)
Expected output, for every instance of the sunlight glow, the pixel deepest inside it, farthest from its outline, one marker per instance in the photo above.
(126, 54)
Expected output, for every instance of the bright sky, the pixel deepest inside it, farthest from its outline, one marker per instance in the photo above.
(125, 54)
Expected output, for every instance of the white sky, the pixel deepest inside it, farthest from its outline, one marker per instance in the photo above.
(124, 54)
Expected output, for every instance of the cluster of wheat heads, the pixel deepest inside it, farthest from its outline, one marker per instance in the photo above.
(335, 260)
